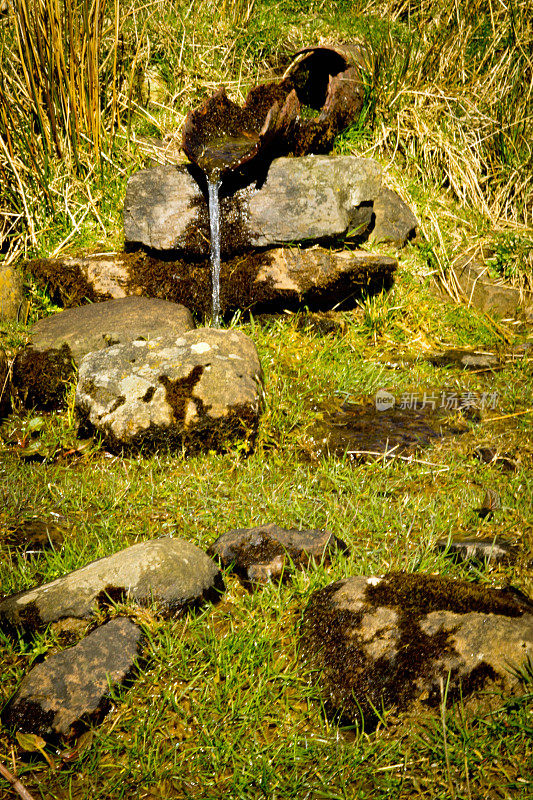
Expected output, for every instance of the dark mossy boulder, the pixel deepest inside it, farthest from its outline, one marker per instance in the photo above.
(399, 639)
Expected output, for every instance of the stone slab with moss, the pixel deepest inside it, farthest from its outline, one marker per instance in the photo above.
(70, 690)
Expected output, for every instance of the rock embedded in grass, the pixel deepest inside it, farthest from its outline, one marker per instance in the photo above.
(478, 551)
(267, 552)
(171, 572)
(392, 641)
(70, 689)
(199, 391)
(473, 277)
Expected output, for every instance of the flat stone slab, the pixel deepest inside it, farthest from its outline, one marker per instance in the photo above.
(96, 326)
(301, 199)
(172, 572)
(70, 689)
(479, 551)
(265, 553)
(269, 280)
(394, 640)
(200, 391)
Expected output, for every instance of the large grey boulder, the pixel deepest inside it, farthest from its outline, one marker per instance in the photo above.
(171, 572)
(398, 639)
(70, 689)
(198, 391)
(302, 199)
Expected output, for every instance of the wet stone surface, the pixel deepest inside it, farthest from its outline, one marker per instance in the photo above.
(70, 689)
(478, 360)
(396, 640)
(361, 432)
(34, 536)
(268, 552)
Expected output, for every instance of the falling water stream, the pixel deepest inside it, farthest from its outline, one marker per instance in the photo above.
(221, 155)
(213, 186)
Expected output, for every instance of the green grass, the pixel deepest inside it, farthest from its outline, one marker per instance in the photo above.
(223, 705)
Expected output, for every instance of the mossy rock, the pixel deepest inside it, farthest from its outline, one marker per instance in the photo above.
(391, 641)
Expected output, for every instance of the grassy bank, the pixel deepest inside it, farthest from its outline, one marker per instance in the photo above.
(223, 706)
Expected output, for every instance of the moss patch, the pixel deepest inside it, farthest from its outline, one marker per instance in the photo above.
(179, 392)
(65, 283)
(40, 379)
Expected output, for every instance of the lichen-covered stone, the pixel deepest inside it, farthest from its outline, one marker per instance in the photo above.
(70, 689)
(395, 640)
(265, 553)
(43, 370)
(198, 391)
(171, 572)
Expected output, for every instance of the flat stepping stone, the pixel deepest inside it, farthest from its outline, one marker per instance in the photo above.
(200, 391)
(70, 689)
(398, 639)
(265, 553)
(60, 341)
(171, 572)
(479, 551)
(96, 326)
